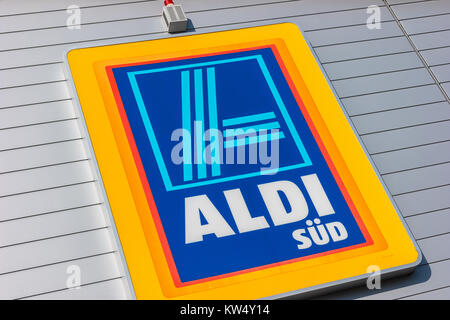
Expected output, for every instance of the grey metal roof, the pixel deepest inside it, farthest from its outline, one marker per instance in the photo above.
(394, 83)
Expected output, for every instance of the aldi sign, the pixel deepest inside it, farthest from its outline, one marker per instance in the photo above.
(234, 172)
(283, 205)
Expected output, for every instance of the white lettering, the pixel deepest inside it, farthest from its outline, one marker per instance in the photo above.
(194, 206)
(270, 193)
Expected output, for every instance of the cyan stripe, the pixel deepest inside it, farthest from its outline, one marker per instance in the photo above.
(195, 65)
(240, 176)
(150, 133)
(256, 128)
(199, 123)
(283, 110)
(253, 140)
(186, 123)
(213, 122)
(247, 119)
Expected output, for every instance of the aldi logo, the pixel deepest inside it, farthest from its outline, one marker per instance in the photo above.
(232, 162)
(230, 169)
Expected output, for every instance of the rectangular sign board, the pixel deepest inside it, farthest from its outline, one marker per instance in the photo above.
(230, 168)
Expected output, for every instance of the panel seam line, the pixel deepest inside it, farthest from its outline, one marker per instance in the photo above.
(416, 50)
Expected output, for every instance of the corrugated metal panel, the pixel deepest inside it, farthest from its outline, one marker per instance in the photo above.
(392, 82)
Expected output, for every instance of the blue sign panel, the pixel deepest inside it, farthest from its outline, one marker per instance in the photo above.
(236, 173)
